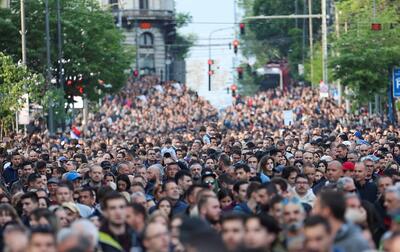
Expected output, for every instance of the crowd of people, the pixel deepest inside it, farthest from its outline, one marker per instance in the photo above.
(158, 169)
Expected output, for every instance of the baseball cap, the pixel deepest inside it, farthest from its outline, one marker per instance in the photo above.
(53, 181)
(207, 172)
(72, 176)
(105, 164)
(70, 206)
(62, 159)
(348, 166)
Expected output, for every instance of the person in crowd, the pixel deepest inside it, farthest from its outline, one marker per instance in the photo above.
(158, 168)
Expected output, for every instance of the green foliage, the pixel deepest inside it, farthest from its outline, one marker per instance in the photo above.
(93, 46)
(15, 80)
(182, 19)
(182, 43)
(276, 39)
(364, 57)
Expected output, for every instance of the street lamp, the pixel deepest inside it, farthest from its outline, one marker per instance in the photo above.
(209, 52)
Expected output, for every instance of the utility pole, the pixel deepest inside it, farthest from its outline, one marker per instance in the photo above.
(23, 48)
(310, 31)
(48, 68)
(23, 32)
(337, 29)
(60, 46)
(119, 14)
(209, 52)
(324, 44)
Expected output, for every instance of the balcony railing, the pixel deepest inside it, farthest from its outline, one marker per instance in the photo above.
(146, 13)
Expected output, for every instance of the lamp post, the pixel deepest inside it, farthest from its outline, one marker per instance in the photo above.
(209, 52)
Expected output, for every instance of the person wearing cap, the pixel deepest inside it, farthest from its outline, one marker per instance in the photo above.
(208, 177)
(72, 211)
(52, 185)
(348, 169)
(65, 194)
(73, 177)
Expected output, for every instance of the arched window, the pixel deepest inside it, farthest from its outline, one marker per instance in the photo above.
(146, 40)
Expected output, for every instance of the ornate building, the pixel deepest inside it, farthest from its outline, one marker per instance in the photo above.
(149, 25)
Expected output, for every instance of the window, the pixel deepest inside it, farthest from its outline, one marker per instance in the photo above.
(114, 5)
(147, 63)
(143, 4)
(146, 40)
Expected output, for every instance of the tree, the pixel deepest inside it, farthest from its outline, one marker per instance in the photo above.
(182, 43)
(364, 57)
(15, 80)
(93, 47)
(279, 38)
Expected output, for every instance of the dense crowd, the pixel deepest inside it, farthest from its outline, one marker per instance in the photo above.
(158, 169)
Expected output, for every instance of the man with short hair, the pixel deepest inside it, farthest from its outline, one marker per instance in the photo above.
(332, 206)
(308, 158)
(392, 199)
(136, 217)
(232, 231)
(64, 194)
(242, 172)
(240, 191)
(346, 184)
(10, 174)
(115, 234)
(171, 169)
(367, 190)
(341, 152)
(209, 209)
(184, 180)
(317, 234)
(151, 158)
(35, 182)
(153, 177)
(195, 170)
(303, 191)
(156, 237)
(87, 196)
(29, 202)
(249, 206)
(171, 191)
(334, 171)
(96, 176)
(42, 239)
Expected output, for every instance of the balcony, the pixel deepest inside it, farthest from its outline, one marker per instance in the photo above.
(146, 14)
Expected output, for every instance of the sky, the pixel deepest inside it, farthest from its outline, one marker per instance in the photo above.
(214, 11)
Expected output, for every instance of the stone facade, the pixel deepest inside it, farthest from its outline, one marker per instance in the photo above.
(149, 26)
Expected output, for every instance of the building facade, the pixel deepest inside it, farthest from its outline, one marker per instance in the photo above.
(4, 3)
(149, 26)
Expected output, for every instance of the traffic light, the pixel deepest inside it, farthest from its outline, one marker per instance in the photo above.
(242, 29)
(376, 26)
(135, 73)
(240, 73)
(233, 90)
(74, 86)
(235, 46)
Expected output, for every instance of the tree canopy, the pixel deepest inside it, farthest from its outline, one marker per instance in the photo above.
(92, 46)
